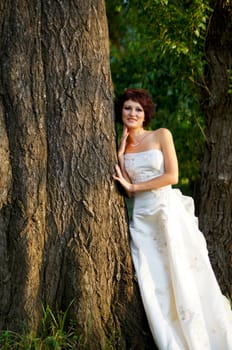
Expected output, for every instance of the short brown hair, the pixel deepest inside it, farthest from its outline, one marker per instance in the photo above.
(139, 95)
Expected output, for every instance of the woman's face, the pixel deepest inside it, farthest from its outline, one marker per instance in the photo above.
(133, 114)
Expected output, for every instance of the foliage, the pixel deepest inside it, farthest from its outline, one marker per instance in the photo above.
(57, 333)
(159, 45)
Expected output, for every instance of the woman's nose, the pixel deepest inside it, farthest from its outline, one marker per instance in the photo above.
(133, 111)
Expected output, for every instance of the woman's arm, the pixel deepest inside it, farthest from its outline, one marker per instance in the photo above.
(170, 176)
(121, 152)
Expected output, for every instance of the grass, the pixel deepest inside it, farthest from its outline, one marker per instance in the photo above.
(54, 334)
(57, 333)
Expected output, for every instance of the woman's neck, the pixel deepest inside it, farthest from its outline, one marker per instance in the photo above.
(133, 133)
(136, 136)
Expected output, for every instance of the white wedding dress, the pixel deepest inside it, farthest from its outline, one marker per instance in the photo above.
(183, 302)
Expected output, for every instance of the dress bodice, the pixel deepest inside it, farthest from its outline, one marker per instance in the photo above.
(145, 165)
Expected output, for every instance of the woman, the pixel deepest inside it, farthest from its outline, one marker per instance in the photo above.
(181, 297)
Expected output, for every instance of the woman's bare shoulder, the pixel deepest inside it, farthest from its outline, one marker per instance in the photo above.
(162, 132)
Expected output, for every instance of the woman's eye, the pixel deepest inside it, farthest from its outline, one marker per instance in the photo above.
(137, 109)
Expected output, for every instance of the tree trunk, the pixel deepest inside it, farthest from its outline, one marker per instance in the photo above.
(63, 224)
(216, 205)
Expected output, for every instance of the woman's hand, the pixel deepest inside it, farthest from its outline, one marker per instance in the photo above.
(122, 145)
(119, 177)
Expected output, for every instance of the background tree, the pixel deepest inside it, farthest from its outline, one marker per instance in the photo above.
(216, 183)
(63, 230)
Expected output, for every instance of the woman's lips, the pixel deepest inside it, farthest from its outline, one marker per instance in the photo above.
(132, 119)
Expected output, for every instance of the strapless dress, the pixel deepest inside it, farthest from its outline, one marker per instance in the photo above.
(182, 299)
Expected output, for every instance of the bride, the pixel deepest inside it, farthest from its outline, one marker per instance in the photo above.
(182, 300)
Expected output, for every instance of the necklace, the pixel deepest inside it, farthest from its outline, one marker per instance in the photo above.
(136, 144)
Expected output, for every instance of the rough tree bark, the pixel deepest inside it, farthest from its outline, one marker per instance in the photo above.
(63, 230)
(216, 187)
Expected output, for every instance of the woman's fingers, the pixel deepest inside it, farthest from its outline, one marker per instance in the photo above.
(118, 176)
(122, 145)
(125, 132)
(118, 170)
